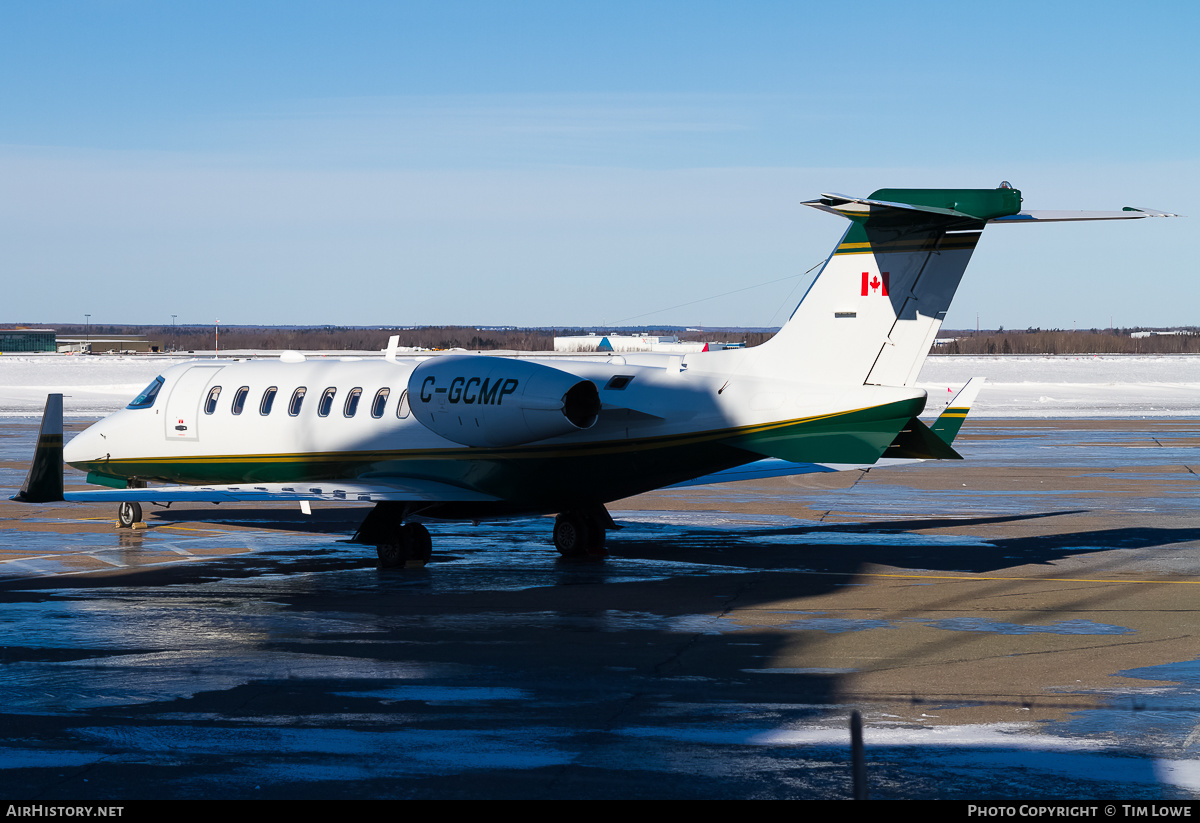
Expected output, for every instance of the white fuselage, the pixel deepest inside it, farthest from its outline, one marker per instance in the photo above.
(209, 424)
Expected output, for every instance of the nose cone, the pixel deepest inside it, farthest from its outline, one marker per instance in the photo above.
(88, 446)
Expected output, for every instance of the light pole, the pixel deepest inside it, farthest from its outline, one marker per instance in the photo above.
(88, 332)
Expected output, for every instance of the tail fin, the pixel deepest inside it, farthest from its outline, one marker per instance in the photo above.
(873, 311)
(44, 483)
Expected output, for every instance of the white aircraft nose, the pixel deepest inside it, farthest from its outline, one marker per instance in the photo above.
(89, 444)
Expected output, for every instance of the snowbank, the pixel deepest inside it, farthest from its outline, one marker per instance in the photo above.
(1018, 386)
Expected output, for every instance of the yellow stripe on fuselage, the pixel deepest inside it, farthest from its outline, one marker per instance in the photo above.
(955, 243)
(508, 453)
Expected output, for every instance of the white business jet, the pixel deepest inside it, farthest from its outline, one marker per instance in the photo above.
(480, 437)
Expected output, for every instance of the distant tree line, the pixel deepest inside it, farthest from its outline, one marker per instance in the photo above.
(471, 338)
(1057, 341)
(341, 338)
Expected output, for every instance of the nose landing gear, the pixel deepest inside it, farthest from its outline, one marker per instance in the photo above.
(129, 516)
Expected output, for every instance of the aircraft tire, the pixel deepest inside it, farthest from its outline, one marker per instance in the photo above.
(390, 555)
(570, 534)
(409, 541)
(578, 535)
(128, 514)
(397, 546)
(420, 543)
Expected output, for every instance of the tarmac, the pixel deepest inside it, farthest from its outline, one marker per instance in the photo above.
(1022, 624)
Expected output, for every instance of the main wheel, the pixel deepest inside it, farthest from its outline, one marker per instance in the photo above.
(570, 534)
(128, 514)
(420, 543)
(393, 551)
(390, 555)
(409, 541)
(578, 535)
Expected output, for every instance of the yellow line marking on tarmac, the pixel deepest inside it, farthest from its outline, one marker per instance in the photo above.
(156, 528)
(1012, 579)
(188, 529)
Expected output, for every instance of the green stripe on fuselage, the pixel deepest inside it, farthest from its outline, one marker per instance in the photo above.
(553, 476)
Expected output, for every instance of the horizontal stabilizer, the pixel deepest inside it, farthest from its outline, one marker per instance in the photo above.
(924, 205)
(1128, 213)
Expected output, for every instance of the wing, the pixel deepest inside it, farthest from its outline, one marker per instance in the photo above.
(397, 489)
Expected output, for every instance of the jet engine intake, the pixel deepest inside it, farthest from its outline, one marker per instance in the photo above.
(496, 401)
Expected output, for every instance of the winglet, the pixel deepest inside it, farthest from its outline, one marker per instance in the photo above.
(44, 483)
(951, 420)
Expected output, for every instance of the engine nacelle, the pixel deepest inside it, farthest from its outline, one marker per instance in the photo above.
(495, 401)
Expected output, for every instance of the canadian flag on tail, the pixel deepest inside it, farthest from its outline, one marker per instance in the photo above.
(875, 284)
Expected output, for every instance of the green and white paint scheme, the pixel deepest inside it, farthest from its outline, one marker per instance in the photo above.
(479, 436)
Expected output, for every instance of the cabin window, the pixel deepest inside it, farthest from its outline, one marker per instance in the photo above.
(380, 401)
(402, 406)
(239, 400)
(352, 402)
(146, 399)
(296, 401)
(326, 402)
(268, 400)
(210, 405)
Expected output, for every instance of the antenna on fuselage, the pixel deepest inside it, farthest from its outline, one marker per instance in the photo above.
(393, 345)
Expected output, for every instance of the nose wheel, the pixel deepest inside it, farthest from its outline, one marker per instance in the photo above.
(128, 514)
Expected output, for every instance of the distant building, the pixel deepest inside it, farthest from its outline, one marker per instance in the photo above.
(635, 342)
(13, 341)
(1136, 334)
(107, 343)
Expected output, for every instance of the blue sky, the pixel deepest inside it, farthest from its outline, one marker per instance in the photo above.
(577, 163)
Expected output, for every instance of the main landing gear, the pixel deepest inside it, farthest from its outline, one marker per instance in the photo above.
(578, 533)
(410, 543)
(581, 532)
(396, 542)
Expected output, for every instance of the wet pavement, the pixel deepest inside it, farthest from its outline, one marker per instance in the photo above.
(1022, 624)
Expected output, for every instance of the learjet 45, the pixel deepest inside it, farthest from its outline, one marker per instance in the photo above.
(476, 437)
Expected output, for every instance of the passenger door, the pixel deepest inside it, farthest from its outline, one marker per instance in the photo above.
(183, 404)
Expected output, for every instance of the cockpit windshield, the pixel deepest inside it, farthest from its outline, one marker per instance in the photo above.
(146, 399)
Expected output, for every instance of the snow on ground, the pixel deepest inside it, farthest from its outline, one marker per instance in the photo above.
(1070, 386)
(92, 386)
(1018, 386)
